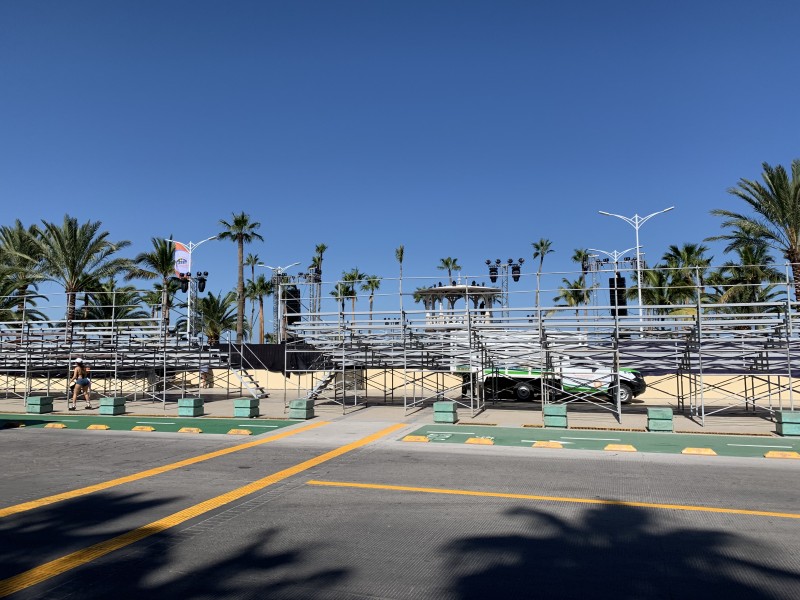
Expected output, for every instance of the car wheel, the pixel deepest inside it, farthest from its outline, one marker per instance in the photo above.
(524, 391)
(625, 394)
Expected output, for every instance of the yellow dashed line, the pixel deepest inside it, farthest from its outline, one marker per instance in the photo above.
(18, 508)
(60, 565)
(620, 448)
(426, 490)
(702, 451)
(545, 444)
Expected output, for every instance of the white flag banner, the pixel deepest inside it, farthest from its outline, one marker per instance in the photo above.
(183, 260)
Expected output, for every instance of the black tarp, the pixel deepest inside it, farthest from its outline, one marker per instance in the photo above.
(274, 357)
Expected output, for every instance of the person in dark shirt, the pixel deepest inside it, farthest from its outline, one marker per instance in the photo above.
(82, 383)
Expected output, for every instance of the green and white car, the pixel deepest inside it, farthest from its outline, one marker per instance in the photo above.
(523, 383)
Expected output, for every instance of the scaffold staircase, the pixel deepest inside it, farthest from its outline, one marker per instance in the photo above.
(321, 386)
(249, 383)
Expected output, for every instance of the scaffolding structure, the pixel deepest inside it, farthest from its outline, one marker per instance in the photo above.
(740, 355)
(139, 357)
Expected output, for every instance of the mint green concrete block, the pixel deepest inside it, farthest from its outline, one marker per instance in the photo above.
(246, 403)
(555, 410)
(190, 403)
(112, 401)
(38, 409)
(190, 411)
(556, 421)
(659, 413)
(788, 416)
(790, 429)
(301, 404)
(662, 425)
(39, 400)
(298, 413)
(246, 413)
(444, 406)
(445, 417)
(112, 410)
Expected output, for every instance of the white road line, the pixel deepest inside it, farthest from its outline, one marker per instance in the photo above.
(758, 446)
(249, 425)
(453, 432)
(154, 423)
(593, 439)
(555, 441)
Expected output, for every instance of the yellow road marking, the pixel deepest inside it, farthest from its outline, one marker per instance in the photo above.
(703, 451)
(18, 508)
(426, 490)
(75, 559)
(620, 448)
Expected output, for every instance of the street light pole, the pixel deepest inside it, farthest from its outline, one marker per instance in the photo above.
(636, 222)
(190, 247)
(277, 280)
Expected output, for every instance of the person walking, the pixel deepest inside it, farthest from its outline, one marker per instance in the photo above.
(205, 376)
(82, 383)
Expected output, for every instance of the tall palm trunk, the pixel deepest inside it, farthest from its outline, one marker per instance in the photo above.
(261, 319)
(240, 294)
(793, 256)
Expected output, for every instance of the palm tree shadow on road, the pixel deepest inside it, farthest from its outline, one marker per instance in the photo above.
(619, 553)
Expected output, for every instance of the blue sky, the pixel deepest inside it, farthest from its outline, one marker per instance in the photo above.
(457, 128)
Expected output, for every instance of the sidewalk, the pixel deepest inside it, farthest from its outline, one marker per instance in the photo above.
(734, 420)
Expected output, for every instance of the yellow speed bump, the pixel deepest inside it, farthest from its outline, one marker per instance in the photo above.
(416, 438)
(702, 451)
(96, 426)
(190, 430)
(620, 448)
(240, 432)
(55, 426)
(483, 441)
(779, 454)
(143, 428)
(543, 444)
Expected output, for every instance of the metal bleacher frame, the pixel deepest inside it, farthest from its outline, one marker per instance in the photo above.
(745, 355)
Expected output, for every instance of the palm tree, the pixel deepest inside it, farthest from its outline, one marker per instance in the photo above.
(352, 279)
(656, 289)
(251, 260)
(449, 264)
(540, 249)
(342, 291)
(316, 264)
(743, 281)
(152, 299)
(574, 293)
(77, 256)
(581, 256)
(241, 231)
(776, 222)
(158, 263)
(217, 314)
(111, 304)
(687, 266)
(371, 284)
(19, 267)
(256, 290)
(427, 300)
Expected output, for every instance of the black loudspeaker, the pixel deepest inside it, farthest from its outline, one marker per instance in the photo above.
(617, 288)
(292, 297)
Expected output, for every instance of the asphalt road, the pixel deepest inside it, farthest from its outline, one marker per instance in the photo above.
(328, 512)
